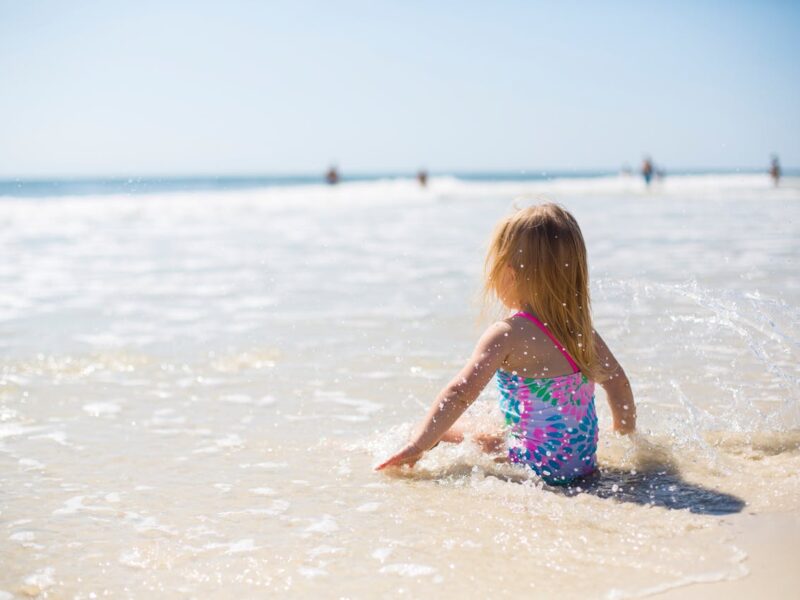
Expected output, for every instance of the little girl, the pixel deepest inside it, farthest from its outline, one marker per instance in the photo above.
(547, 356)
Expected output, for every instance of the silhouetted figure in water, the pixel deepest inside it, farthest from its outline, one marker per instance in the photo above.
(422, 177)
(332, 176)
(775, 170)
(647, 170)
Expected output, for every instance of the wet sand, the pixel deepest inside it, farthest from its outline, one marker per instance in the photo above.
(771, 544)
(195, 386)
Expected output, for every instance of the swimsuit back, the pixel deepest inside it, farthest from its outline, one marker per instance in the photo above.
(552, 423)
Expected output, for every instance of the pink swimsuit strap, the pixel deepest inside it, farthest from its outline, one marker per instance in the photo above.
(557, 344)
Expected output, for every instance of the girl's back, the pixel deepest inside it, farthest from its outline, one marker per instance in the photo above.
(548, 404)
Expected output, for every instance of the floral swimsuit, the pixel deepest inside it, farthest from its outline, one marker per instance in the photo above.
(552, 421)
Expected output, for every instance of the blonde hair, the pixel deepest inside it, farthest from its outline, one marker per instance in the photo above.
(544, 246)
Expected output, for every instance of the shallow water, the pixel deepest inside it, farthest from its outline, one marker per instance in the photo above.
(196, 386)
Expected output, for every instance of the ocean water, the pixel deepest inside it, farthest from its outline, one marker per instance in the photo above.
(196, 382)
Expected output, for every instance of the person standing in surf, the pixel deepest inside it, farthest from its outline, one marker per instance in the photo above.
(647, 170)
(775, 170)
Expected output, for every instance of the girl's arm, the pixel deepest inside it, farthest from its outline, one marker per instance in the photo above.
(490, 352)
(618, 389)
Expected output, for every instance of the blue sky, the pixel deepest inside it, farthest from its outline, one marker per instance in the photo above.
(154, 88)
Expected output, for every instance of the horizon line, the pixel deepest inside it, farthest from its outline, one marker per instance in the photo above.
(364, 173)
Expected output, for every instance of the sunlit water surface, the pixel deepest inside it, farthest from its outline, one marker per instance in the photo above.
(194, 388)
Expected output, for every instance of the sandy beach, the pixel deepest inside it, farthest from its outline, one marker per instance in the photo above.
(196, 385)
(770, 543)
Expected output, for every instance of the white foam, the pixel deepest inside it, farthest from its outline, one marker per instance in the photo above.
(30, 464)
(246, 545)
(229, 442)
(38, 582)
(237, 547)
(381, 554)
(19, 522)
(326, 524)
(245, 399)
(408, 569)
(270, 465)
(311, 572)
(15, 429)
(133, 558)
(99, 409)
(364, 408)
(59, 437)
(378, 375)
(75, 505)
(323, 550)
(142, 523)
(277, 507)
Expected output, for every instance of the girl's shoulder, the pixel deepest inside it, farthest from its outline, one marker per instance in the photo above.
(498, 332)
(510, 333)
(531, 351)
(518, 326)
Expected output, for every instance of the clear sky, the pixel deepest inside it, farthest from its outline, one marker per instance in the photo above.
(231, 87)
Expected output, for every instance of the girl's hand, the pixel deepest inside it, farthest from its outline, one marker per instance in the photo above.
(407, 456)
(453, 400)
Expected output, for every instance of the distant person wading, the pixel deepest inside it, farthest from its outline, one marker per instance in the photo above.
(647, 170)
(332, 176)
(775, 170)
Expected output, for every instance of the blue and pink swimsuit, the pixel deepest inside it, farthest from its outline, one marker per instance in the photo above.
(552, 423)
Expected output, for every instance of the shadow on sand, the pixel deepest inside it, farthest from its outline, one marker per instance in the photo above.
(664, 488)
(656, 486)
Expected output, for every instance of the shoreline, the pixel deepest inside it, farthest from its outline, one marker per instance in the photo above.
(771, 546)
